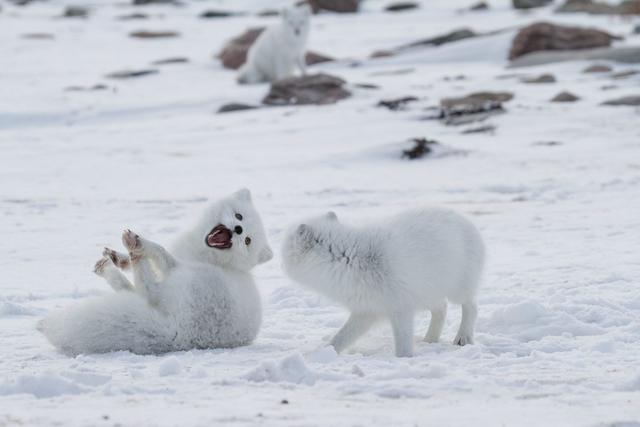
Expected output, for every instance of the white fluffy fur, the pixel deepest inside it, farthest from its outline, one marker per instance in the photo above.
(389, 270)
(204, 298)
(279, 49)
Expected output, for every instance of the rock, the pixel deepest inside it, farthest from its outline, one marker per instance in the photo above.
(453, 36)
(636, 29)
(268, 12)
(421, 146)
(624, 74)
(627, 55)
(543, 78)
(153, 34)
(597, 68)
(316, 89)
(86, 88)
(147, 2)
(312, 58)
(543, 36)
(401, 6)
(479, 6)
(133, 16)
(370, 86)
(38, 36)
(340, 6)
(75, 12)
(529, 4)
(565, 97)
(479, 129)
(228, 108)
(633, 101)
(168, 61)
(208, 14)
(627, 7)
(381, 54)
(397, 103)
(127, 74)
(234, 53)
(472, 108)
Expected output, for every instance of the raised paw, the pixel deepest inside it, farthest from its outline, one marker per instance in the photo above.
(133, 244)
(121, 261)
(462, 339)
(101, 266)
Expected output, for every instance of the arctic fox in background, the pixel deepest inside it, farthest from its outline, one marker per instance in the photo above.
(413, 261)
(203, 297)
(279, 49)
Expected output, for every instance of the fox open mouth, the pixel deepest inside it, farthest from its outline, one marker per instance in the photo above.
(219, 237)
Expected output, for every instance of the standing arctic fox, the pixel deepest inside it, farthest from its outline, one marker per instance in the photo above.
(279, 49)
(204, 297)
(413, 261)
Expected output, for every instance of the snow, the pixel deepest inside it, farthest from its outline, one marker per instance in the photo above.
(558, 334)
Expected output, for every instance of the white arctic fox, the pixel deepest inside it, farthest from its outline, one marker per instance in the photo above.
(279, 49)
(203, 297)
(413, 261)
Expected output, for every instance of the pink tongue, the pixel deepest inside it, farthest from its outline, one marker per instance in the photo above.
(219, 238)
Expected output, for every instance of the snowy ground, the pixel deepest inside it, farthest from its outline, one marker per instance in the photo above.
(558, 339)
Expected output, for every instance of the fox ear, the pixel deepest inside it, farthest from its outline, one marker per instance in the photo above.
(332, 216)
(243, 194)
(265, 255)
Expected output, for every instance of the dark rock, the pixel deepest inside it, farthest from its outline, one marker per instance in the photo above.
(529, 4)
(316, 89)
(479, 129)
(86, 88)
(397, 103)
(168, 61)
(598, 68)
(127, 74)
(234, 53)
(472, 108)
(627, 7)
(543, 78)
(153, 34)
(479, 6)
(268, 12)
(565, 97)
(401, 6)
(366, 86)
(208, 14)
(340, 6)
(381, 54)
(148, 2)
(636, 29)
(133, 16)
(453, 36)
(544, 37)
(75, 12)
(38, 36)
(421, 146)
(624, 74)
(228, 108)
(547, 143)
(627, 55)
(633, 101)
(476, 99)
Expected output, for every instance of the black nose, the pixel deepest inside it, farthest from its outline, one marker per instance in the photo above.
(238, 229)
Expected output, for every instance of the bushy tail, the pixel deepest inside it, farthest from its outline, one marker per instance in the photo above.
(120, 321)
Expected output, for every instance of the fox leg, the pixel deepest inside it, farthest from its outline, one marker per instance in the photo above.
(144, 255)
(106, 269)
(354, 328)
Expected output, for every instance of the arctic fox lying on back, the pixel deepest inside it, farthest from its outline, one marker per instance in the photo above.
(413, 261)
(279, 49)
(204, 297)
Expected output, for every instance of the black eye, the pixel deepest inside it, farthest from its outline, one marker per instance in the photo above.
(247, 241)
(239, 217)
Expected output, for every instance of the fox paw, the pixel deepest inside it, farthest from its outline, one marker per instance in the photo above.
(102, 265)
(463, 339)
(121, 261)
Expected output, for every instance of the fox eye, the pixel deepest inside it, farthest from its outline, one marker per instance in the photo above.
(239, 217)
(247, 240)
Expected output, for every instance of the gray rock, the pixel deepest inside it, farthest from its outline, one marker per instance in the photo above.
(636, 29)
(598, 68)
(626, 7)
(543, 78)
(479, 6)
(170, 61)
(565, 97)
(339, 6)
(627, 55)
(75, 12)
(421, 147)
(129, 74)
(401, 6)
(234, 106)
(208, 14)
(529, 4)
(633, 101)
(144, 34)
(318, 89)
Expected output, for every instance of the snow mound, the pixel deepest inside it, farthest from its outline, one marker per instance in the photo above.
(323, 355)
(291, 369)
(13, 309)
(41, 386)
(169, 366)
(531, 321)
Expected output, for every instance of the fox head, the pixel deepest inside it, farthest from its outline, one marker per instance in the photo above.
(230, 234)
(296, 21)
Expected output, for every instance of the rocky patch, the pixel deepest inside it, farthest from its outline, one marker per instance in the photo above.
(544, 36)
(145, 34)
(421, 147)
(75, 12)
(401, 6)
(472, 108)
(234, 106)
(627, 7)
(339, 6)
(397, 103)
(632, 101)
(318, 89)
(170, 61)
(129, 74)
(212, 14)
(543, 78)
(529, 4)
(565, 97)
(597, 68)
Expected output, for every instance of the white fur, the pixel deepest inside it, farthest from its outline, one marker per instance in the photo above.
(279, 49)
(204, 298)
(389, 270)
